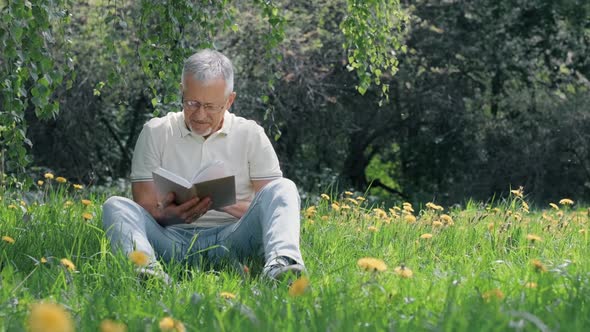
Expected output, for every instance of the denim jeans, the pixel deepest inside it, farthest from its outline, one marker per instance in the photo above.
(270, 228)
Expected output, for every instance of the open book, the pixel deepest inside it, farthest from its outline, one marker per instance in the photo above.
(210, 181)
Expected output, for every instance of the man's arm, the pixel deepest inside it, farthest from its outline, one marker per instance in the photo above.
(167, 212)
(239, 209)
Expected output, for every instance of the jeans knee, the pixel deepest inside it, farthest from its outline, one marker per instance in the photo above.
(112, 207)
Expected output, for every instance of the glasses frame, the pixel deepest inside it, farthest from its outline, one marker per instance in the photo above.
(209, 108)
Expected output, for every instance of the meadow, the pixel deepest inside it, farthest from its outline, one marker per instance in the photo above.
(498, 266)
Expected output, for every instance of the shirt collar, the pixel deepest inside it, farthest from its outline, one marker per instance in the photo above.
(225, 128)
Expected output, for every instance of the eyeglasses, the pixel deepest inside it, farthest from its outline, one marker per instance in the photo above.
(194, 105)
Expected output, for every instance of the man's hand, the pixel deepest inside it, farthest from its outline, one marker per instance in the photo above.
(167, 212)
(187, 212)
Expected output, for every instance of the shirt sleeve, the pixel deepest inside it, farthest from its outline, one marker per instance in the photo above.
(145, 156)
(262, 158)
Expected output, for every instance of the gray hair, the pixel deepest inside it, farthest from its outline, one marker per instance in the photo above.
(207, 65)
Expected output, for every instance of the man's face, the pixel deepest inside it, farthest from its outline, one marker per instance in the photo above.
(204, 105)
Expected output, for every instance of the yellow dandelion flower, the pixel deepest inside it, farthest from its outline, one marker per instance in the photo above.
(494, 294)
(167, 324)
(43, 260)
(433, 206)
(335, 207)
(380, 213)
(517, 192)
(408, 208)
(372, 264)
(179, 326)
(348, 193)
(68, 264)
(325, 196)
(139, 258)
(48, 176)
(227, 295)
(108, 325)
(530, 285)
(86, 202)
(352, 200)
(437, 223)
(8, 239)
(534, 238)
(61, 179)
(345, 207)
(310, 211)
(299, 286)
(426, 236)
(410, 218)
(40, 183)
(361, 199)
(49, 317)
(538, 265)
(78, 186)
(446, 219)
(566, 201)
(87, 216)
(403, 272)
(68, 203)
(554, 206)
(372, 229)
(525, 207)
(23, 203)
(12, 206)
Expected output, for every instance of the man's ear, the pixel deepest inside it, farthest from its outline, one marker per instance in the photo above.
(230, 100)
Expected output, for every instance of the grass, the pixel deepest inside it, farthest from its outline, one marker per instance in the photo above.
(481, 270)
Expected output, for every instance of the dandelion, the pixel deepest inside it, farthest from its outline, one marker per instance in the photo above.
(49, 317)
(434, 207)
(566, 201)
(299, 286)
(426, 236)
(86, 202)
(446, 219)
(348, 193)
(525, 207)
(372, 229)
(43, 260)
(8, 239)
(494, 294)
(352, 200)
(78, 186)
(380, 213)
(335, 207)
(407, 207)
(108, 325)
(48, 176)
(410, 218)
(325, 196)
(437, 223)
(170, 324)
(12, 206)
(139, 258)
(403, 271)
(361, 199)
(227, 295)
(534, 238)
(310, 212)
(372, 264)
(345, 207)
(517, 192)
(87, 216)
(61, 179)
(530, 285)
(68, 203)
(40, 183)
(68, 264)
(554, 206)
(538, 265)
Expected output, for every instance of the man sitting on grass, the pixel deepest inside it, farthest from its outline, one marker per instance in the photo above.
(265, 220)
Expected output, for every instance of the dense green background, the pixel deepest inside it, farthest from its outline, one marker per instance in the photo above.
(487, 95)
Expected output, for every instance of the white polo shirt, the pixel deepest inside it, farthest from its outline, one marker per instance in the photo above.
(240, 144)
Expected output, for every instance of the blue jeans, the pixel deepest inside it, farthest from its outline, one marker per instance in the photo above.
(270, 228)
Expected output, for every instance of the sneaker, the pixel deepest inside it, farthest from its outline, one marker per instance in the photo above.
(283, 269)
(153, 272)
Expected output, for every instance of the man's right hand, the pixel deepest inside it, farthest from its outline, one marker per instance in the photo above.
(187, 212)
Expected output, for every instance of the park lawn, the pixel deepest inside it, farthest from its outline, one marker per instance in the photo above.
(478, 268)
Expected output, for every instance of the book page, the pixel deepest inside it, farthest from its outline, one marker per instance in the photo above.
(167, 181)
(211, 171)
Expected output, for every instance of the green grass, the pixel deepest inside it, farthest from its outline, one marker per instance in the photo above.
(470, 276)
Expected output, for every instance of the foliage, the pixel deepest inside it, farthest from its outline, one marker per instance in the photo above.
(482, 267)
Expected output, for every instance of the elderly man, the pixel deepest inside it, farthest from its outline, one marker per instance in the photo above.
(264, 221)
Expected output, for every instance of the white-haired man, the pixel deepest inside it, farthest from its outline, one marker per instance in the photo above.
(264, 222)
